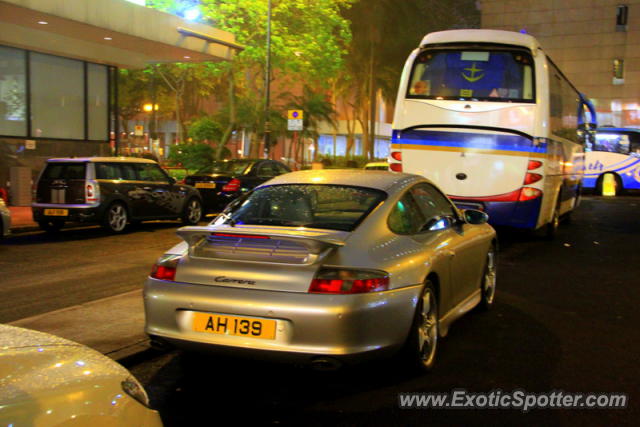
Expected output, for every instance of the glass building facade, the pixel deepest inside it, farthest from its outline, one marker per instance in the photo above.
(52, 106)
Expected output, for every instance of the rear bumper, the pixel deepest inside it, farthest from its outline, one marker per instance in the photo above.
(349, 327)
(76, 213)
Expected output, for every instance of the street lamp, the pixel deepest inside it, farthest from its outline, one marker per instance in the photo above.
(267, 81)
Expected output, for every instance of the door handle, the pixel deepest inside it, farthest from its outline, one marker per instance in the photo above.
(147, 188)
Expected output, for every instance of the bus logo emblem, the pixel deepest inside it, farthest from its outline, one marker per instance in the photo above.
(472, 77)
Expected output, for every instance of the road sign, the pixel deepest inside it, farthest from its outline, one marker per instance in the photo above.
(294, 124)
(295, 114)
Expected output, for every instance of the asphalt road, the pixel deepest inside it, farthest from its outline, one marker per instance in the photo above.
(42, 272)
(565, 318)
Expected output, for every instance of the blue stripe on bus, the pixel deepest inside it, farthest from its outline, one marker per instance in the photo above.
(483, 141)
(514, 214)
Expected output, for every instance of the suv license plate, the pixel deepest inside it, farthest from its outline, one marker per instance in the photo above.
(56, 212)
(233, 325)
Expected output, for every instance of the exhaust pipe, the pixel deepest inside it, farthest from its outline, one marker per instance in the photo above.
(325, 364)
(159, 344)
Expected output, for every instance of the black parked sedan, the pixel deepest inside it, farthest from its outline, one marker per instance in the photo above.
(223, 181)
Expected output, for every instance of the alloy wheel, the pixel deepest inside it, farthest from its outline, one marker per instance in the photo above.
(428, 328)
(117, 217)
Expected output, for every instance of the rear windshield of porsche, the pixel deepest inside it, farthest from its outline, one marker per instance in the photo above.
(333, 207)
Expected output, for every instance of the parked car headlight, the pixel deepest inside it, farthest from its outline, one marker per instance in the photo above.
(133, 388)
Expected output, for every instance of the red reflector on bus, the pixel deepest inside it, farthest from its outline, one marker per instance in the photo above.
(529, 193)
(396, 167)
(530, 178)
(534, 164)
(506, 197)
(396, 155)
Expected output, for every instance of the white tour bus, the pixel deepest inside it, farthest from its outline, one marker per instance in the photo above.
(612, 161)
(487, 116)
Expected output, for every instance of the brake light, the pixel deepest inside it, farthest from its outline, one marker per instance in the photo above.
(530, 178)
(396, 167)
(233, 185)
(91, 192)
(163, 272)
(396, 155)
(529, 193)
(338, 281)
(238, 236)
(534, 164)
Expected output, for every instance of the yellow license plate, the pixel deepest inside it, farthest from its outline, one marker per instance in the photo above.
(234, 325)
(56, 212)
(205, 185)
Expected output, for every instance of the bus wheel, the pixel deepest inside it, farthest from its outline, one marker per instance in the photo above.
(609, 185)
(551, 229)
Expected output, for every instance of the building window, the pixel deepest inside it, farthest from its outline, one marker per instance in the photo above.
(618, 71)
(57, 110)
(13, 92)
(622, 13)
(97, 102)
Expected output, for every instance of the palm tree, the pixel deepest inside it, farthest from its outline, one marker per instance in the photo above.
(317, 108)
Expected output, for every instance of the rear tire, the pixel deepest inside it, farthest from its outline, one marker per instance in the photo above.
(422, 343)
(51, 225)
(551, 229)
(116, 217)
(192, 212)
(488, 287)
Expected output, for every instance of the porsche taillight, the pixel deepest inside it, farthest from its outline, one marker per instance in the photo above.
(345, 281)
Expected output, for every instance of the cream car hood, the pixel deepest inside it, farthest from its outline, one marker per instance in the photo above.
(46, 380)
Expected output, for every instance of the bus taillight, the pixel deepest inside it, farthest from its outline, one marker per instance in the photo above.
(396, 167)
(396, 155)
(529, 193)
(534, 164)
(530, 178)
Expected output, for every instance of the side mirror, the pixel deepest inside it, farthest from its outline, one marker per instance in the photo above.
(472, 216)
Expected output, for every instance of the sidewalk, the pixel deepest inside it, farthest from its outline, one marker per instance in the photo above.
(113, 326)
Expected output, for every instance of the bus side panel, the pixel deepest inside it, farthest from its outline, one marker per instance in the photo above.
(625, 166)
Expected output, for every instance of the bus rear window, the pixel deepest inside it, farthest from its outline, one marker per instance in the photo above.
(473, 74)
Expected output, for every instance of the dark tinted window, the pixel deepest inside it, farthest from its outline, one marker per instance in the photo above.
(150, 172)
(58, 170)
(108, 171)
(333, 207)
(406, 216)
(431, 202)
(128, 171)
(266, 170)
(233, 167)
(280, 169)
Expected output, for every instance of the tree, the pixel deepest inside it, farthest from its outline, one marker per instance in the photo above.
(384, 32)
(205, 130)
(309, 40)
(191, 156)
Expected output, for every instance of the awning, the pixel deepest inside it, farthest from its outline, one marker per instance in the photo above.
(113, 32)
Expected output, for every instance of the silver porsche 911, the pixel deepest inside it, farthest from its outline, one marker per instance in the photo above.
(325, 265)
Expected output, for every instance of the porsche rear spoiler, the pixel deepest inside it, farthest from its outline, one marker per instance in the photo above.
(314, 240)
